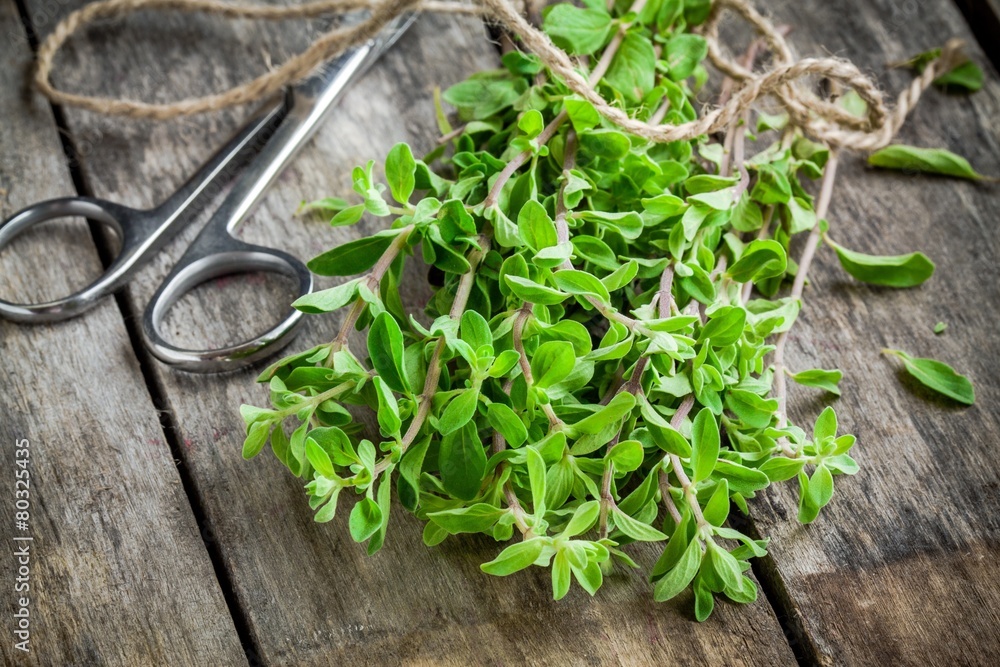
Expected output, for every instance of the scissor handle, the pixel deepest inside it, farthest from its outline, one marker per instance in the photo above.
(212, 255)
(129, 224)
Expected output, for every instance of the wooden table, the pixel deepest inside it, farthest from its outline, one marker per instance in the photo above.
(155, 543)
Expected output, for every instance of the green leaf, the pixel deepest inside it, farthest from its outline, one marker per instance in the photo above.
(475, 330)
(531, 123)
(503, 363)
(582, 113)
(325, 206)
(752, 410)
(842, 465)
(888, 270)
(746, 216)
(826, 425)
(329, 510)
(578, 31)
(553, 256)
(583, 519)
(967, 76)
(725, 326)
(507, 423)
(532, 292)
(384, 498)
(780, 468)
(552, 363)
(515, 557)
(742, 480)
(348, 216)
(717, 509)
(819, 378)
(814, 494)
(772, 186)
(581, 283)
(669, 439)
(560, 575)
(926, 160)
(618, 407)
(938, 376)
(478, 98)
(626, 455)
(388, 409)
(633, 69)
(522, 63)
(595, 251)
(704, 601)
(459, 411)
(351, 258)
(366, 518)
(637, 530)
(536, 479)
(400, 171)
(385, 346)
(462, 462)
(408, 485)
(434, 534)
(328, 300)
(666, 205)
(256, 438)
(705, 443)
(621, 276)
(684, 52)
(335, 443)
(319, 459)
(726, 567)
(761, 259)
(627, 223)
(677, 579)
(606, 143)
(589, 576)
(478, 518)
(535, 226)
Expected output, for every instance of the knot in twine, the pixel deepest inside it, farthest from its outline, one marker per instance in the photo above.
(819, 118)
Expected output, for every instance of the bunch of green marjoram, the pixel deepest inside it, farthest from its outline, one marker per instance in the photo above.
(603, 363)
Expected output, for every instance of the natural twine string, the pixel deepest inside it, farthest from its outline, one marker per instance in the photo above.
(819, 118)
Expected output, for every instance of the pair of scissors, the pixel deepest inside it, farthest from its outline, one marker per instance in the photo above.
(275, 137)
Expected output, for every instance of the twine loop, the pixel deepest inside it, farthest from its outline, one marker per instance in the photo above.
(819, 118)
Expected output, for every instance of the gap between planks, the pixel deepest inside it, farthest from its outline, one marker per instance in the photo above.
(983, 19)
(131, 316)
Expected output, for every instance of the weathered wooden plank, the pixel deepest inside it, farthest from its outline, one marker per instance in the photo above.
(119, 574)
(310, 595)
(899, 568)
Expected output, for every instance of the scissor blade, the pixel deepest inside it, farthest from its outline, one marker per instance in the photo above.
(333, 77)
(307, 106)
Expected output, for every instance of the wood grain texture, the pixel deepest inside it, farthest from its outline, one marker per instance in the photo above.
(310, 594)
(899, 569)
(119, 573)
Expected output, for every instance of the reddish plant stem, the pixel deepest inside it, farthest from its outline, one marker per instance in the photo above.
(517, 334)
(780, 383)
(434, 366)
(373, 279)
(668, 500)
(633, 386)
(499, 444)
(687, 486)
